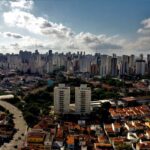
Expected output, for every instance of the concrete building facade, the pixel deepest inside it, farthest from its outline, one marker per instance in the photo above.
(61, 99)
(82, 99)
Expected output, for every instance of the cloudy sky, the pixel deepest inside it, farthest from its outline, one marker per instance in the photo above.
(105, 26)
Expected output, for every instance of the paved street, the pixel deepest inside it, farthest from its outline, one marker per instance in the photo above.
(20, 125)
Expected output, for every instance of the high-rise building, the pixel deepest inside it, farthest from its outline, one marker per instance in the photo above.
(82, 99)
(124, 66)
(131, 64)
(70, 68)
(49, 62)
(85, 63)
(61, 99)
(148, 64)
(140, 67)
(141, 56)
(94, 69)
(105, 65)
(114, 70)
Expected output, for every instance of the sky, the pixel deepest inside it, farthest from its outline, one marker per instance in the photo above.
(103, 26)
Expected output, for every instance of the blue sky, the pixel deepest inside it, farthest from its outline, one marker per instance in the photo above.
(97, 16)
(105, 26)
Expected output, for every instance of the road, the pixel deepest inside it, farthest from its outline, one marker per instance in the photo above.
(20, 125)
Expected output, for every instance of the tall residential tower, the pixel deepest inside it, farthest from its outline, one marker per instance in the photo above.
(61, 99)
(82, 99)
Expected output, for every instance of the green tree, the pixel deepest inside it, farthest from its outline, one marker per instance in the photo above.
(30, 118)
(123, 147)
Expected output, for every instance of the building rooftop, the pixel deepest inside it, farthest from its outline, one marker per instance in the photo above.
(143, 145)
(101, 146)
(129, 111)
(70, 139)
(36, 134)
(128, 99)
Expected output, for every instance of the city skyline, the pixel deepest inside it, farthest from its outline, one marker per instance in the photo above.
(94, 27)
(77, 63)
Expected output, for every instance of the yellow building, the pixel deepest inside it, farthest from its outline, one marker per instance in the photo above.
(36, 136)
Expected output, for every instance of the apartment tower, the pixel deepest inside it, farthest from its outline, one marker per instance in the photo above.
(61, 99)
(82, 99)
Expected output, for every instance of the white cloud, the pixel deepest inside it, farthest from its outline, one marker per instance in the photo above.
(25, 5)
(142, 43)
(12, 35)
(50, 35)
(99, 42)
(60, 36)
(22, 19)
(37, 25)
(146, 23)
(146, 27)
(21, 4)
(4, 4)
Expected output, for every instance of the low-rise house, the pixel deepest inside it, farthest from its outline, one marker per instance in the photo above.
(116, 127)
(147, 124)
(70, 141)
(108, 129)
(36, 136)
(102, 146)
(59, 134)
(132, 137)
(102, 139)
(138, 125)
(117, 140)
(132, 112)
(147, 134)
(129, 127)
(143, 145)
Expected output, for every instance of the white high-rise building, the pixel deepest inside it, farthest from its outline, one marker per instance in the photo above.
(61, 99)
(124, 66)
(82, 99)
(85, 63)
(105, 65)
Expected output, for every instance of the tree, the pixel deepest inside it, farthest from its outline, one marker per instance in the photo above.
(102, 113)
(106, 106)
(34, 109)
(123, 147)
(30, 118)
